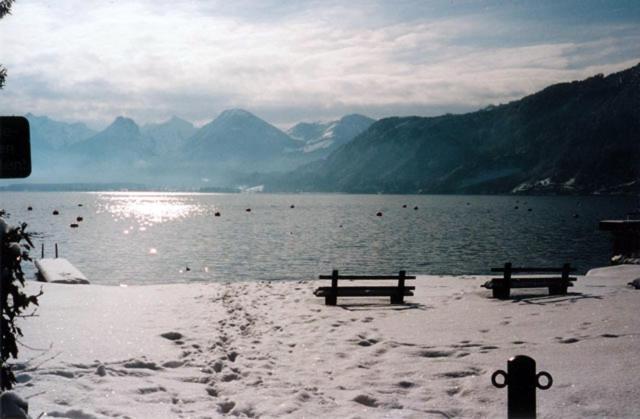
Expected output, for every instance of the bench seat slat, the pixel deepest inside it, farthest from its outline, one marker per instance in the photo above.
(536, 278)
(528, 283)
(363, 277)
(362, 291)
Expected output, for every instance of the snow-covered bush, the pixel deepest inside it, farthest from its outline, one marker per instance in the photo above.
(14, 249)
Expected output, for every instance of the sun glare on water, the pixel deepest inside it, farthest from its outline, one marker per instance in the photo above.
(148, 209)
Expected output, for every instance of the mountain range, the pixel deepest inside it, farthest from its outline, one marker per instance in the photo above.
(174, 153)
(581, 137)
(321, 138)
(169, 136)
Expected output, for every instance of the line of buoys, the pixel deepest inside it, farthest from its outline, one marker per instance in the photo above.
(55, 212)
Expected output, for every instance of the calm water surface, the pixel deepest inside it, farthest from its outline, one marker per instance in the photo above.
(139, 238)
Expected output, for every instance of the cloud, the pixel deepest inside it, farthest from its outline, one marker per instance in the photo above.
(92, 61)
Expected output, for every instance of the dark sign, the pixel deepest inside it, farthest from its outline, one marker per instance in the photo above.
(15, 151)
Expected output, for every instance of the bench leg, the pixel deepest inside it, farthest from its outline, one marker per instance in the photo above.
(330, 300)
(501, 293)
(397, 299)
(558, 290)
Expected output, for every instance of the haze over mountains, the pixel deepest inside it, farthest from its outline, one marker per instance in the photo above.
(174, 153)
(578, 137)
(169, 136)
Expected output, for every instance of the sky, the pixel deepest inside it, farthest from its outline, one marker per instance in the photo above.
(290, 61)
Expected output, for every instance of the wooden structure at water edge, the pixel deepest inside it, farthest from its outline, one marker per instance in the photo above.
(58, 270)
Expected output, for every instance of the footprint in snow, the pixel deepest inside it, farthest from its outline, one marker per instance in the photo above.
(366, 400)
(172, 336)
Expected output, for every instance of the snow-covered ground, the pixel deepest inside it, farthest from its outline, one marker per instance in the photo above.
(259, 349)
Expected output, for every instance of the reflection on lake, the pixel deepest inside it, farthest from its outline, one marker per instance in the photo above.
(147, 208)
(167, 237)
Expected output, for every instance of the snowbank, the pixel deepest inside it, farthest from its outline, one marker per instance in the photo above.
(274, 350)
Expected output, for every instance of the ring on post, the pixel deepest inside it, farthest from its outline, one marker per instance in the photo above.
(494, 380)
(547, 376)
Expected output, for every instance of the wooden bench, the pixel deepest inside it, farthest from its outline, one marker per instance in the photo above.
(397, 293)
(557, 285)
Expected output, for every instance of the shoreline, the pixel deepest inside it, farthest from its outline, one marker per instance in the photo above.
(242, 280)
(82, 188)
(272, 349)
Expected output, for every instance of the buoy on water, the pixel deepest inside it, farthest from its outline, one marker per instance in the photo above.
(187, 269)
(79, 205)
(216, 214)
(73, 225)
(55, 212)
(379, 214)
(78, 219)
(415, 208)
(404, 206)
(292, 206)
(516, 207)
(248, 210)
(29, 208)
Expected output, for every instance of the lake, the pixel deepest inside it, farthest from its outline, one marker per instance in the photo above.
(141, 238)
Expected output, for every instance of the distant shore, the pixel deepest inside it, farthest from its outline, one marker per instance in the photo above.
(272, 349)
(138, 187)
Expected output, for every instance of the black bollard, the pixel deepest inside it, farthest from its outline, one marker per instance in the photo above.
(522, 380)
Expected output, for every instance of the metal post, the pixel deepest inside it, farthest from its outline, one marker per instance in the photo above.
(56, 250)
(42, 251)
(522, 381)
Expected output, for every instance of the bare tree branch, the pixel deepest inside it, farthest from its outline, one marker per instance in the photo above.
(3, 75)
(5, 7)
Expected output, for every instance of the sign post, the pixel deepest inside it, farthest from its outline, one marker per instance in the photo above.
(15, 150)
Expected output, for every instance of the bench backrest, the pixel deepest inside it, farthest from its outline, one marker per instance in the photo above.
(508, 269)
(335, 276)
